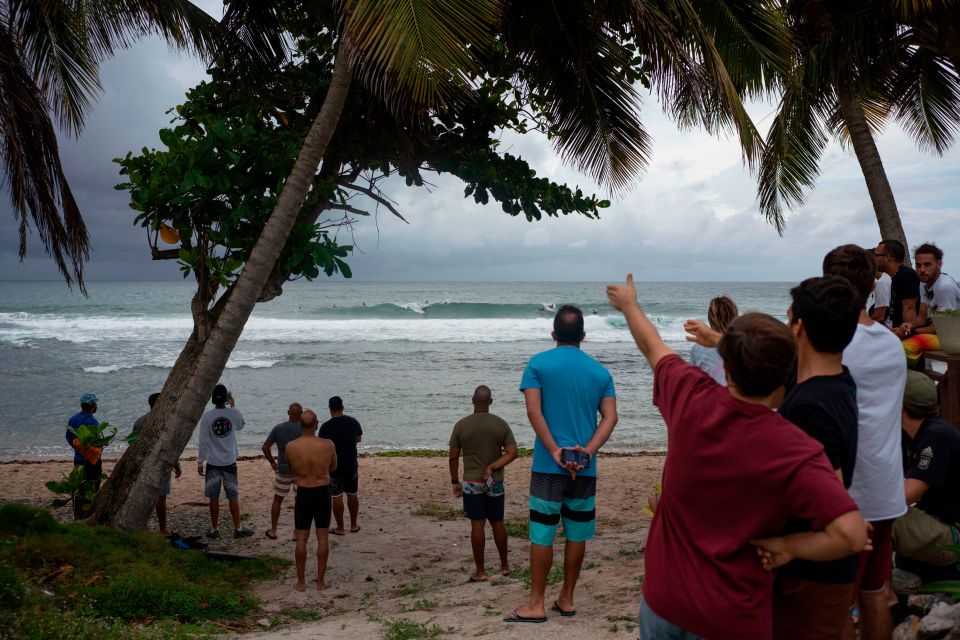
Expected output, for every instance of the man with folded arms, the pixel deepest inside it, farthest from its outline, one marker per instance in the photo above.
(735, 473)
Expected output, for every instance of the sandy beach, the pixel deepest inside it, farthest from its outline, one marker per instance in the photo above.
(402, 566)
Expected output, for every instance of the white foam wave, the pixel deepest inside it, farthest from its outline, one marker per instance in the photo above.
(237, 361)
(160, 331)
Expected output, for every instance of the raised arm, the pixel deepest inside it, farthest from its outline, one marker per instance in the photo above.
(623, 298)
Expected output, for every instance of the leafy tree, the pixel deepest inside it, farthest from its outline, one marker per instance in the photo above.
(433, 67)
(50, 55)
(855, 66)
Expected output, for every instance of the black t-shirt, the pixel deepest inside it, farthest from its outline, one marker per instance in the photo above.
(933, 456)
(344, 431)
(904, 286)
(825, 407)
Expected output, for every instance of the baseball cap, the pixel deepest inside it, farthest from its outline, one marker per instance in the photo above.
(920, 392)
(220, 394)
(88, 398)
(336, 403)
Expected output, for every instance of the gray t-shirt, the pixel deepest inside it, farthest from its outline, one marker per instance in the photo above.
(708, 359)
(281, 435)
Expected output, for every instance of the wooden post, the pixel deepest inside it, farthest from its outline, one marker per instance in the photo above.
(948, 388)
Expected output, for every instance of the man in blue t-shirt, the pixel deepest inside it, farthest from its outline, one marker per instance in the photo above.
(86, 457)
(563, 388)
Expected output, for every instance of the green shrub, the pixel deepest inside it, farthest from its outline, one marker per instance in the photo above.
(12, 589)
(19, 519)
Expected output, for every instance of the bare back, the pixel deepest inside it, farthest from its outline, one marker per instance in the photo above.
(311, 460)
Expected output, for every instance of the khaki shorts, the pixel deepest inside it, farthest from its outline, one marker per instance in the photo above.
(916, 535)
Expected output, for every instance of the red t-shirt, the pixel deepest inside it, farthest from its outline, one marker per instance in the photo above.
(734, 471)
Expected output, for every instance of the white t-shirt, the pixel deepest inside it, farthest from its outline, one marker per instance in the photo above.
(945, 294)
(881, 296)
(876, 362)
(218, 437)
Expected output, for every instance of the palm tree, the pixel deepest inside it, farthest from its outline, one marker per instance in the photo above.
(572, 60)
(50, 53)
(856, 64)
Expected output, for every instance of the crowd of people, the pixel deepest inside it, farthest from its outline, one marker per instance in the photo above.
(802, 458)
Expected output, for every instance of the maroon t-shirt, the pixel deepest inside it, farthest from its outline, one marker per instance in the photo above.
(734, 471)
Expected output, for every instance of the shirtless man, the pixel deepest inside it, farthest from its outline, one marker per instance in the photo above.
(311, 460)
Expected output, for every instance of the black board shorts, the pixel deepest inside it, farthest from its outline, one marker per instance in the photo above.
(312, 505)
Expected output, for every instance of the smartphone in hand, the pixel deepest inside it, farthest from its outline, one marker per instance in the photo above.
(579, 458)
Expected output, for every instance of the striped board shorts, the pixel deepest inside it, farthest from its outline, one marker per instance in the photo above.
(555, 497)
(281, 485)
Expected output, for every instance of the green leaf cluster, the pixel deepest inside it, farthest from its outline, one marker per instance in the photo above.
(233, 141)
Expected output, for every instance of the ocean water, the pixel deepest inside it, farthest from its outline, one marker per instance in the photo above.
(405, 357)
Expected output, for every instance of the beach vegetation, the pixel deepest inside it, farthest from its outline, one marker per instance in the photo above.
(438, 511)
(75, 488)
(262, 171)
(50, 57)
(855, 67)
(109, 582)
(407, 630)
(517, 526)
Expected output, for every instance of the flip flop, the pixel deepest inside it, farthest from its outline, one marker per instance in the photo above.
(355, 530)
(338, 533)
(565, 614)
(272, 536)
(475, 579)
(516, 617)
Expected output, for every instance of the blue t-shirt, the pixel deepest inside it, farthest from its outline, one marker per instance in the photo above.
(571, 384)
(75, 422)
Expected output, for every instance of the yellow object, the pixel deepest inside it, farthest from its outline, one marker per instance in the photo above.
(169, 234)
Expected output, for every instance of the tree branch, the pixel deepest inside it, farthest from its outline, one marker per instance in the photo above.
(370, 193)
(348, 208)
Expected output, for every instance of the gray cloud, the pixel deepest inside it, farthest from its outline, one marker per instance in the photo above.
(692, 216)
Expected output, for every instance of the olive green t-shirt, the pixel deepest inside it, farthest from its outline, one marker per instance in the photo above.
(481, 437)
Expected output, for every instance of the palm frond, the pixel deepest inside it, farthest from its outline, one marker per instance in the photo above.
(790, 161)
(928, 100)
(34, 176)
(62, 58)
(417, 53)
(258, 26)
(572, 65)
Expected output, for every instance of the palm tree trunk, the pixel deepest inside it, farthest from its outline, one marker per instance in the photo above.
(128, 497)
(884, 204)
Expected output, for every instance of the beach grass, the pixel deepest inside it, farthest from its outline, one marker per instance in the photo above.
(438, 511)
(88, 581)
(516, 526)
(407, 630)
(522, 452)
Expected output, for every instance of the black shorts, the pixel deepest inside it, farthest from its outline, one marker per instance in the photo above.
(481, 506)
(344, 483)
(312, 505)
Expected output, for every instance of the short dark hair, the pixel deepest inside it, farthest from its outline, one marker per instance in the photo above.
(854, 263)
(568, 324)
(152, 400)
(482, 395)
(930, 248)
(219, 395)
(335, 403)
(894, 248)
(830, 310)
(758, 353)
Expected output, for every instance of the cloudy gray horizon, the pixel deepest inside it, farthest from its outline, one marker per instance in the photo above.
(692, 216)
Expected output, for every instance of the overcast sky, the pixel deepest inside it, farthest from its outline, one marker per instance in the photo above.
(692, 216)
